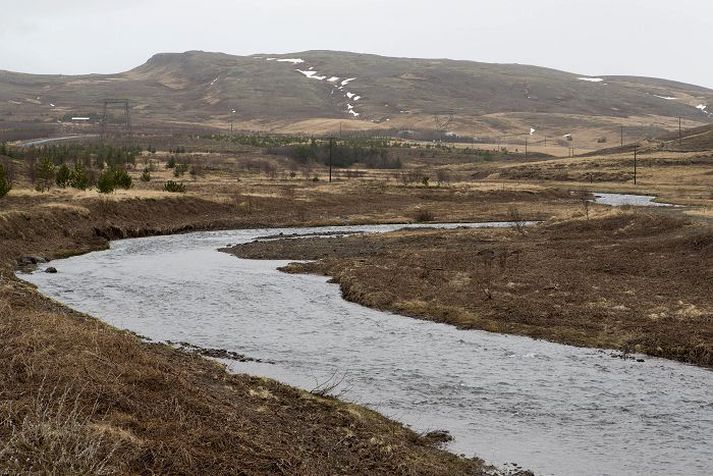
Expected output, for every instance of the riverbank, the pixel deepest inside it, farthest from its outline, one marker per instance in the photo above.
(78, 396)
(636, 281)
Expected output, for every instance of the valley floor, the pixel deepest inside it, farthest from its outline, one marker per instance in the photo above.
(80, 397)
(77, 396)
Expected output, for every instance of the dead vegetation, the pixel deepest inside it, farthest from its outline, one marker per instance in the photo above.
(79, 397)
(634, 281)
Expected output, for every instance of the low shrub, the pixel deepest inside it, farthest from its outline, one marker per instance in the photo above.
(423, 215)
(174, 187)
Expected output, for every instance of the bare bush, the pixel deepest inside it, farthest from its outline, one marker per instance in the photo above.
(422, 215)
(331, 384)
(517, 221)
(409, 176)
(442, 177)
(55, 436)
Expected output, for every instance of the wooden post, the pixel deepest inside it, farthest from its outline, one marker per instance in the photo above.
(331, 142)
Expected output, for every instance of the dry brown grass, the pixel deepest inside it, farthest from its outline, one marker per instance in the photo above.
(635, 281)
(79, 397)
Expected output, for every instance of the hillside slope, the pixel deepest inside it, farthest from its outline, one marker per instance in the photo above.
(316, 90)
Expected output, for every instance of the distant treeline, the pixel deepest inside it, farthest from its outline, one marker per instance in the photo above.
(371, 153)
(90, 155)
(261, 140)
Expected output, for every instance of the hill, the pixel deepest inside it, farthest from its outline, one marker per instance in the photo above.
(315, 91)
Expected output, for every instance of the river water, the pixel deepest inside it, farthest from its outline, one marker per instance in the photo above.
(625, 199)
(555, 409)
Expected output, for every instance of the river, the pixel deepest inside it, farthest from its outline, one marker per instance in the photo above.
(555, 409)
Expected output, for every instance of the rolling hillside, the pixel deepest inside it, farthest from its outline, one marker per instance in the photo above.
(315, 91)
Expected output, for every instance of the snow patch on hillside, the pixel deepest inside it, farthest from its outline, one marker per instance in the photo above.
(337, 86)
(591, 80)
(667, 98)
(312, 74)
(704, 109)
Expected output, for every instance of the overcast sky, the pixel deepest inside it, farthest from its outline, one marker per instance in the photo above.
(661, 38)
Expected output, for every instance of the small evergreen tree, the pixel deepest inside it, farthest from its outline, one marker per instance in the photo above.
(180, 169)
(174, 187)
(79, 178)
(5, 184)
(146, 175)
(122, 179)
(63, 176)
(45, 175)
(105, 184)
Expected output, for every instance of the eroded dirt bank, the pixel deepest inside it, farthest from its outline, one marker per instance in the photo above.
(80, 397)
(635, 281)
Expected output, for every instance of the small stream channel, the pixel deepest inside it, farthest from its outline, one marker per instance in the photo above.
(555, 409)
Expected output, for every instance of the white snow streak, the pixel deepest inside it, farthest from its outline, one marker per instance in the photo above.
(312, 75)
(591, 80)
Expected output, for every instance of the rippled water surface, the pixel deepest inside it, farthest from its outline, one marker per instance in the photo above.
(552, 408)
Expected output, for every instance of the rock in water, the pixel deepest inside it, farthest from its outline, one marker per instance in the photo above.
(51, 270)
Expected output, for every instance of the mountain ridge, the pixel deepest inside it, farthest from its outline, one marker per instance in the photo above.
(320, 88)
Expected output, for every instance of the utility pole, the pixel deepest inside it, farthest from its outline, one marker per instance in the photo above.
(636, 150)
(126, 121)
(680, 131)
(331, 142)
(545, 142)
